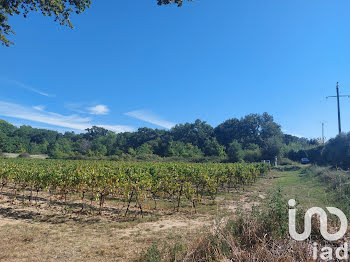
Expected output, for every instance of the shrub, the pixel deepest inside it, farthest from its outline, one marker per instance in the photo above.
(152, 254)
(261, 235)
(335, 152)
(285, 162)
(252, 155)
(337, 181)
(235, 152)
(148, 157)
(24, 155)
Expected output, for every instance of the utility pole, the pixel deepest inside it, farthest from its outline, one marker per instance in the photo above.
(338, 103)
(339, 122)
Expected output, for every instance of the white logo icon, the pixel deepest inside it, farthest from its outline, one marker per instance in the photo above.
(323, 222)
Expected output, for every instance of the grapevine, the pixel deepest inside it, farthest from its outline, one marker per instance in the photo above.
(129, 181)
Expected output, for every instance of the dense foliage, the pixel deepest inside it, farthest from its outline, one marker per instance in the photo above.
(255, 136)
(335, 152)
(61, 10)
(128, 181)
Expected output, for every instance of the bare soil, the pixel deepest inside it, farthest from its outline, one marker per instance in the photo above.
(40, 230)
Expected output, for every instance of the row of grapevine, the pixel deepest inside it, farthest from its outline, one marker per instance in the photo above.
(129, 181)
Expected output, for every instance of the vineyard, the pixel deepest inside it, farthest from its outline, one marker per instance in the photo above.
(129, 182)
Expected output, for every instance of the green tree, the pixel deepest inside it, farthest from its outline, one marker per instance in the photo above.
(258, 135)
(83, 146)
(337, 151)
(252, 153)
(269, 128)
(6, 128)
(5, 143)
(181, 149)
(95, 132)
(195, 133)
(98, 147)
(235, 152)
(61, 10)
(272, 147)
(213, 148)
(228, 131)
(60, 149)
(109, 142)
(145, 149)
(251, 129)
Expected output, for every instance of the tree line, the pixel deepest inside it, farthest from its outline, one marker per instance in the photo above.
(335, 152)
(250, 138)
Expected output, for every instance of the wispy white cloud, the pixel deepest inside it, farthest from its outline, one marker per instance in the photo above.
(88, 108)
(27, 113)
(24, 86)
(150, 117)
(39, 108)
(68, 121)
(76, 107)
(98, 110)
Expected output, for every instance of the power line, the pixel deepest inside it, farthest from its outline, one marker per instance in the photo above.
(338, 103)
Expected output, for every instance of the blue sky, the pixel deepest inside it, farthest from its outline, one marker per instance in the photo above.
(129, 64)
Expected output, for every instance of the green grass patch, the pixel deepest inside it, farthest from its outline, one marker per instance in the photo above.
(309, 191)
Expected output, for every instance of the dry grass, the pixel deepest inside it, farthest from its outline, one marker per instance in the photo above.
(26, 240)
(245, 240)
(261, 235)
(248, 240)
(40, 230)
(40, 233)
(58, 231)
